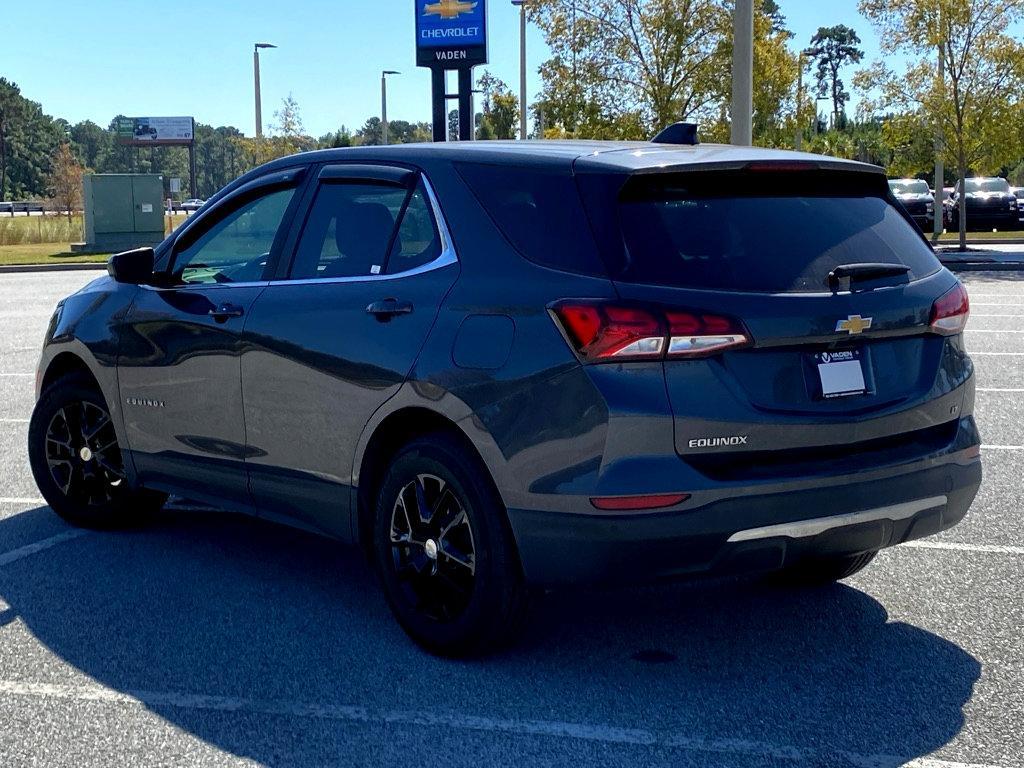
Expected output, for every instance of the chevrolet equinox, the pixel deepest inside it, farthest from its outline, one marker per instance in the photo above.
(497, 366)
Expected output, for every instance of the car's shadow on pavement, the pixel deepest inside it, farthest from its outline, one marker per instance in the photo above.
(294, 630)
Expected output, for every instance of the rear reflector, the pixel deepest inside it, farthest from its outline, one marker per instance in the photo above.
(950, 311)
(626, 503)
(604, 332)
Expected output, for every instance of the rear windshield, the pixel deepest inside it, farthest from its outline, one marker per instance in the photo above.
(710, 232)
(988, 185)
(909, 187)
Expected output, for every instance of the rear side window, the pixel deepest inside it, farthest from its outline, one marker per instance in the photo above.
(351, 232)
(783, 234)
(539, 212)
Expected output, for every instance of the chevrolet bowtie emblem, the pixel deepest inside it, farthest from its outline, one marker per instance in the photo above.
(854, 324)
(448, 9)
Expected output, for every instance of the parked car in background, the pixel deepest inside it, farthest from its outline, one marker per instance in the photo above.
(917, 198)
(990, 204)
(1018, 192)
(498, 365)
(193, 205)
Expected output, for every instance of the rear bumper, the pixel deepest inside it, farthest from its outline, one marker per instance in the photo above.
(749, 531)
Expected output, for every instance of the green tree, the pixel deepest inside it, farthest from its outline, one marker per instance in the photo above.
(372, 133)
(630, 67)
(28, 139)
(834, 48)
(500, 109)
(978, 104)
(91, 143)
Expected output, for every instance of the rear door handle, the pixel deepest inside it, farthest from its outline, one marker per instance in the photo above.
(225, 312)
(389, 308)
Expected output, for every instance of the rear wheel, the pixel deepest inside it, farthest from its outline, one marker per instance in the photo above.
(824, 570)
(76, 459)
(444, 550)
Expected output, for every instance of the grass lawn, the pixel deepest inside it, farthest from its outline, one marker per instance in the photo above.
(46, 253)
(23, 230)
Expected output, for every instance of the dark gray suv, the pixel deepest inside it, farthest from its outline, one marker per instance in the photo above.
(502, 365)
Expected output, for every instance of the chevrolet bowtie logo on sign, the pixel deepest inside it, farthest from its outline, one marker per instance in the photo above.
(448, 9)
(854, 324)
(451, 34)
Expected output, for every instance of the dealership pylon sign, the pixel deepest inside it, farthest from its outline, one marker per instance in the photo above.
(451, 35)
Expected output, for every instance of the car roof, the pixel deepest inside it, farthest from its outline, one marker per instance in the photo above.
(628, 156)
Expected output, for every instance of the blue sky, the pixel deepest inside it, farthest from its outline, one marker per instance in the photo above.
(97, 58)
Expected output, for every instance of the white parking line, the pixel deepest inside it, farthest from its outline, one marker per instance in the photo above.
(997, 354)
(22, 500)
(985, 314)
(14, 421)
(991, 330)
(1003, 447)
(16, 375)
(30, 549)
(997, 389)
(952, 546)
(600, 733)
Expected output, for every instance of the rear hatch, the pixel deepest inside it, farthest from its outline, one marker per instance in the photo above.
(837, 328)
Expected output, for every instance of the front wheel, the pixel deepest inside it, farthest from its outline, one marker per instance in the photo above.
(445, 552)
(76, 459)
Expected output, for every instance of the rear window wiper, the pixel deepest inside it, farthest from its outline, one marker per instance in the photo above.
(864, 271)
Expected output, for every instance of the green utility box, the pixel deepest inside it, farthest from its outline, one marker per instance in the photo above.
(122, 211)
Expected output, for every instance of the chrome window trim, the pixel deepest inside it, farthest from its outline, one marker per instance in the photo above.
(206, 286)
(446, 258)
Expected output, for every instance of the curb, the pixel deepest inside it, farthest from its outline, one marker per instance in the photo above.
(16, 268)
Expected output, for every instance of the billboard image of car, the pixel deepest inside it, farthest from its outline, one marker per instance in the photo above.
(158, 130)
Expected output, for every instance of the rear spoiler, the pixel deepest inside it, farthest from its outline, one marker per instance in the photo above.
(766, 166)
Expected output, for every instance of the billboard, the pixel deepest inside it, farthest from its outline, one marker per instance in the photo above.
(155, 130)
(451, 33)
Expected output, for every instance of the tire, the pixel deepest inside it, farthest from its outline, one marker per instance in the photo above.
(77, 462)
(451, 573)
(824, 570)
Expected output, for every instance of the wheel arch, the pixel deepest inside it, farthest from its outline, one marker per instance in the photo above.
(384, 440)
(64, 364)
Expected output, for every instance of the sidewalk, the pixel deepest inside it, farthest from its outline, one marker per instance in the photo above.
(977, 258)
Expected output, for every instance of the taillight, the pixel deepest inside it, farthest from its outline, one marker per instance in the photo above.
(950, 311)
(605, 332)
(697, 335)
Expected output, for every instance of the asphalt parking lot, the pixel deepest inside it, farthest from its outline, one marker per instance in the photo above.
(211, 639)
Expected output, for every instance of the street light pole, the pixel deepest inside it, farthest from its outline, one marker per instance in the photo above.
(384, 103)
(940, 171)
(798, 143)
(522, 67)
(256, 78)
(743, 73)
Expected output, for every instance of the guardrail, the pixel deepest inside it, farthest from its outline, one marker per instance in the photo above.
(21, 206)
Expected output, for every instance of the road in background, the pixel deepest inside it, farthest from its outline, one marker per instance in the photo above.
(212, 639)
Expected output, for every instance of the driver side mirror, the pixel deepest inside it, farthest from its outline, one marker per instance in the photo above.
(132, 267)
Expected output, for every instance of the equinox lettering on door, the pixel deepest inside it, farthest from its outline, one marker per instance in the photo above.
(717, 442)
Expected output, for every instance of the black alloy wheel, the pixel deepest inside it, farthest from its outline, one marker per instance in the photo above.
(77, 460)
(443, 548)
(83, 456)
(432, 548)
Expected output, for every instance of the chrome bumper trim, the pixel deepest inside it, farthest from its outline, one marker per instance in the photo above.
(800, 529)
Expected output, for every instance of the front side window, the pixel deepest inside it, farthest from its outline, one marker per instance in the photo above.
(364, 229)
(236, 248)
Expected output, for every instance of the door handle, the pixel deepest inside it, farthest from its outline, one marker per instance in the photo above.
(225, 312)
(388, 308)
